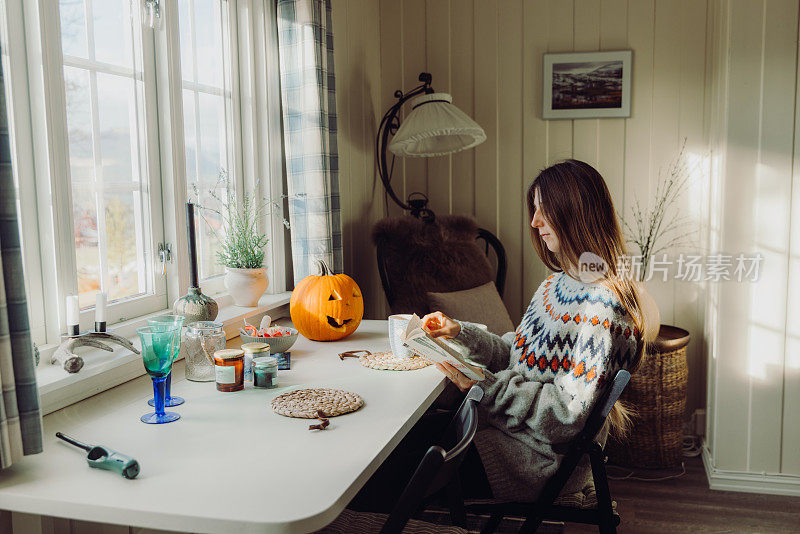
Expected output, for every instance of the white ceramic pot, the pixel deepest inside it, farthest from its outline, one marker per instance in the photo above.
(246, 285)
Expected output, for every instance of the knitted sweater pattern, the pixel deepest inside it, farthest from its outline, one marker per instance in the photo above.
(543, 380)
(576, 332)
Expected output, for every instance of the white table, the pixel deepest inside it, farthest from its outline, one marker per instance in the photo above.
(229, 464)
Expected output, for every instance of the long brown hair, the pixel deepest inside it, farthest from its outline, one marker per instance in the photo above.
(575, 201)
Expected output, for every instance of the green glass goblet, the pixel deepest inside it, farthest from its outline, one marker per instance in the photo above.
(168, 322)
(157, 356)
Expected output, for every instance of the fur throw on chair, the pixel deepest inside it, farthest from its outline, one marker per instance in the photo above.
(420, 257)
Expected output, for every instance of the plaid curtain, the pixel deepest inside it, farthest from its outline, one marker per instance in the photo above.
(305, 41)
(20, 418)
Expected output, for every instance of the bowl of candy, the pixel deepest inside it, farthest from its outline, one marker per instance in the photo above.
(279, 338)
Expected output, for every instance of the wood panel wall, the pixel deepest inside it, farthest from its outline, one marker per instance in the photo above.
(488, 55)
(754, 369)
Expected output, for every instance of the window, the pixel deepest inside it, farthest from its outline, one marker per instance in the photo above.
(113, 195)
(127, 123)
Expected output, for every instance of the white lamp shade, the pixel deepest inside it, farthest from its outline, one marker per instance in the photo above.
(435, 127)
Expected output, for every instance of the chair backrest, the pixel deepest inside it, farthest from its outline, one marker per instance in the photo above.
(490, 240)
(415, 257)
(579, 446)
(438, 466)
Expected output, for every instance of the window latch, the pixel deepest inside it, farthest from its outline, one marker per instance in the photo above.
(165, 255)
(152, 13)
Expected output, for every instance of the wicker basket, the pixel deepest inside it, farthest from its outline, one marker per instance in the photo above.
(657, 393)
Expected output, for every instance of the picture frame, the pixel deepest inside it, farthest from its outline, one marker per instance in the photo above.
(587, 85)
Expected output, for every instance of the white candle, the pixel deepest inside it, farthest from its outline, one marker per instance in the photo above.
(73, 310)
(100, 308)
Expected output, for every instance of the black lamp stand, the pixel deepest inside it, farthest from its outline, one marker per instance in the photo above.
(417, 202)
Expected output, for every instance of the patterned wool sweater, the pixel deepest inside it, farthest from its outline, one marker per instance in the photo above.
(543, 380)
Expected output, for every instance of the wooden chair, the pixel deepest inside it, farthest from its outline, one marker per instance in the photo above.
(550, 505)
(437, 471)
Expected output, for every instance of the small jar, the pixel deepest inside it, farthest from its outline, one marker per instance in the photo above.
(201, 340)
(265, 372)
(229, 369)
(253, 350)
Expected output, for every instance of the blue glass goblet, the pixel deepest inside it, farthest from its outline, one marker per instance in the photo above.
(157, 356)
(168, 322)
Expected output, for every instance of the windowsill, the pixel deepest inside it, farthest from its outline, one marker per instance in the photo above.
(103, 370)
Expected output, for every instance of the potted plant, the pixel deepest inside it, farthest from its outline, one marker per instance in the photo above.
(241, 243)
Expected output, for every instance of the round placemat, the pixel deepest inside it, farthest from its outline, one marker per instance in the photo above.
(304, 403)
(389, 362)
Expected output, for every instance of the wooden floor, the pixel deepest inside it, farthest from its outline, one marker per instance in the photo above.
(686, 504)
(683, 504)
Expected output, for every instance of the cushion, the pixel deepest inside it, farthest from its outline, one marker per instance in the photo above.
(480, 304)
(421, 257)
(352, 522)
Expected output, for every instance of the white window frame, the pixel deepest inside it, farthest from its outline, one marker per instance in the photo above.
(34, 74)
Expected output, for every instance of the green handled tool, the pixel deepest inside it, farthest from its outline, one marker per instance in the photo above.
(105, 458)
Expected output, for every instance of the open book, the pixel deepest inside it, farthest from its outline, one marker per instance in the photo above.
(435, 349)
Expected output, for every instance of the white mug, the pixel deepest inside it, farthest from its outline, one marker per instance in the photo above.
(397, 325)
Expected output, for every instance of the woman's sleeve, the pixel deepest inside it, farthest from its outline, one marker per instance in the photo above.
(555, 412)
(485, 348)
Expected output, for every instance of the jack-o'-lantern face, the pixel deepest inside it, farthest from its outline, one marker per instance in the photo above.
(326, 307)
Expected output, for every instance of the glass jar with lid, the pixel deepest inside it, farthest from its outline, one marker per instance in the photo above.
(229, 369)
(265, 372)
(253, 350)
(201, 341)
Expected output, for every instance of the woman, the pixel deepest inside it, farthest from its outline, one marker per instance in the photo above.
(541, 382)
(578, 330)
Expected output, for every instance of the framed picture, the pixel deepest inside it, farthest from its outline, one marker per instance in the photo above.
(587, 85)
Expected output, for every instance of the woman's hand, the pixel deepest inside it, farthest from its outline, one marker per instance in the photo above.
(457, 377)
(438, 324)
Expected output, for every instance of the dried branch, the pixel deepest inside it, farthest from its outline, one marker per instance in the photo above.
(653, 230)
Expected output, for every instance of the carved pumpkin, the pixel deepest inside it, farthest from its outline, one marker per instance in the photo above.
(326, 307)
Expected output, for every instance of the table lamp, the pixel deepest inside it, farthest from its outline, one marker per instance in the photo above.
(435, 127)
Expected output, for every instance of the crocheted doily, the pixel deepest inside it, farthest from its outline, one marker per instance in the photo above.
(304, 403)
(388, 361)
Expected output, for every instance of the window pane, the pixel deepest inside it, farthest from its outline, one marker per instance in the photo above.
(112, 32)
(124, 234)
(212, 139)
(211, 231)
(116, 106)
(73, 28)
(186, 38)
(87, 244)
(206, 103)
(208, 42)
(190, 137)
(79, 125)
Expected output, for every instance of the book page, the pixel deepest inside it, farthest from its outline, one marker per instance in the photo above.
(435, 349)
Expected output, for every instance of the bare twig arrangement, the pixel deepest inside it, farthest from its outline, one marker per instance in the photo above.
(660, 228)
